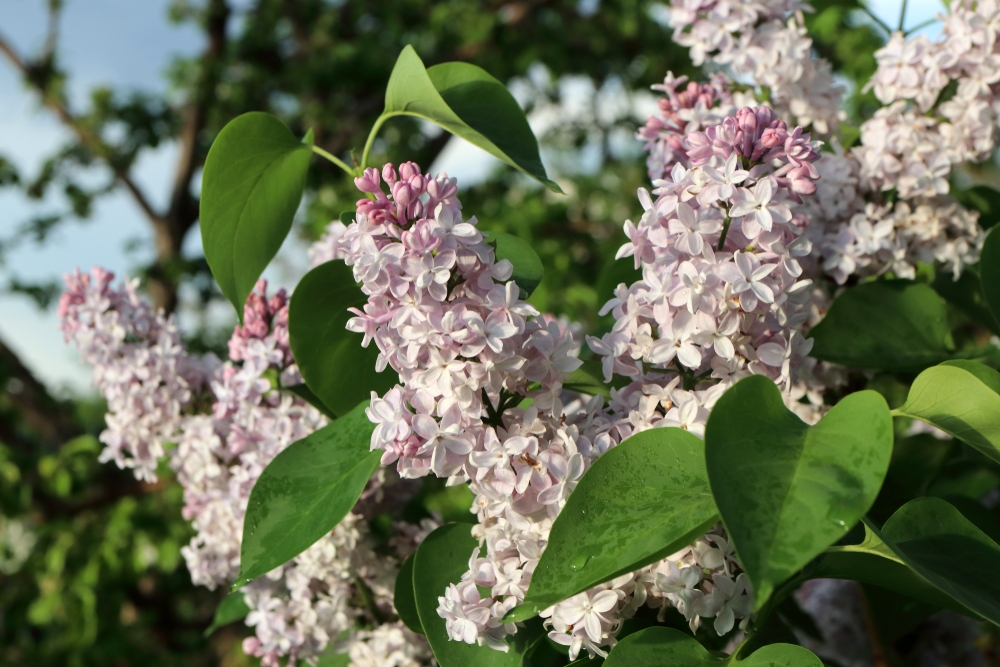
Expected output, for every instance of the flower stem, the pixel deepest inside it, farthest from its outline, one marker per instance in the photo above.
(882, 24)
(725, 231)
(902, 15)
(371, 136)
(334, 159)
(919, 26)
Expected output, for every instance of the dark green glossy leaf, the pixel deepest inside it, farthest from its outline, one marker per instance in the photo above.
(305, 393)
(305, 492)
(989, 272)
(961, 398)
(232, 608)
(666, 647)
(253, 180)
(874, 562)
(966, 294)
(403, 598)
(332, 362)
(441, 559)
(528, 269)
(916, 461)
(787, 491)
(641, 501)
(469, 103)
(948, 551)
(891, 324)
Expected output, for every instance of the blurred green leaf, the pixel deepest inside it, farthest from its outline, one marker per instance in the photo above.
(895, 325)
(232, 608)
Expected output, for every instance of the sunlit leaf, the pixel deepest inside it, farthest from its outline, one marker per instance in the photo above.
(641, 501)
(305, 492)
(468, 102)
(252, 184)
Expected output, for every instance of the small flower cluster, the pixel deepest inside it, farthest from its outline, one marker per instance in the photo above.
(139, 366)
(894, 238)
(767, 41)
(302, 608)
(912, 143)
(447, 318)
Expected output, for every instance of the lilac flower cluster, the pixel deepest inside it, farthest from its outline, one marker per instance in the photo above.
(912, 143)
(303, 608)
(139, 363)
(765, 40)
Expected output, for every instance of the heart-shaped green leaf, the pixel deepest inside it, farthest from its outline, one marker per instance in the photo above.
(891, 324)
(335, 367)
(666, 647)
(305, 492)
(961, 398)
(468, 102)
(989, 271)
(232, 608)
(441, 559)
(528, 269)
(638, 503)
(251, 187)
(403, 598)
(787, 491)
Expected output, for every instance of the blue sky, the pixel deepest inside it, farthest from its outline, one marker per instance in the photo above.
(128, 43)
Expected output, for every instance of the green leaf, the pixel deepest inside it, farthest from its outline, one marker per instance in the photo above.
(989, 272)
(782, 655)
(949, 551)
(892, 324)
(305, 492)
(984, 199)
(305, 393)
(966, 294)
(334, 660)
(639, 502)
(403, 598)
(666, 647)
(589, 379)
(469, 103)
(874, 562)
(528, 269)
(787, 491)
(961, 398)
(332, 362)
(253, 180)
(441, 559)
(232, 608)
(660, 647)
